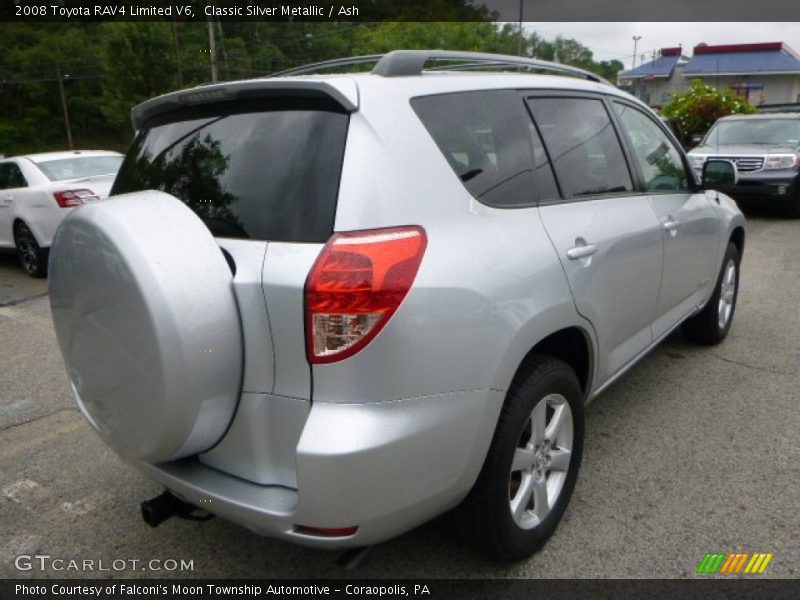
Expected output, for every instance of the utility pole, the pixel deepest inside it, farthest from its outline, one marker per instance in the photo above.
(64, 107)
(212, 49)
(519, 41)
(636, 39)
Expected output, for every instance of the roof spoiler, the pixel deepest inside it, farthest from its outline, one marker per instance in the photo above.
(342, 91)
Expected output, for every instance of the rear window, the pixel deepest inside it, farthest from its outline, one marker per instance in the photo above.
(485, 137)
(262, 171)
(79, 167)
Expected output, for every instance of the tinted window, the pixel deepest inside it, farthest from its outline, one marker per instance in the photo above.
(546, 186)
(583, 146)
(659, 160)
(484, 137)
(263, 171)
(11, 176)
(84, 166)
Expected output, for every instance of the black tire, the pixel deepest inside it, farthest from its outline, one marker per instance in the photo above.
(31, 255)
(792, 211)
(485, 516)
(704, 328)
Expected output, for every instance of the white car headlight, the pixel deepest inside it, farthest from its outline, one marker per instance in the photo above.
(780, 161)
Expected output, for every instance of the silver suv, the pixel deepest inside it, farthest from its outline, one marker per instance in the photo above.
(332, 307)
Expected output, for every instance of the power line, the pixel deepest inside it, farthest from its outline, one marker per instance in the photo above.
(48, 79)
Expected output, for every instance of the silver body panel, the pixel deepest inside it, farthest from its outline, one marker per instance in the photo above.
(397, 433)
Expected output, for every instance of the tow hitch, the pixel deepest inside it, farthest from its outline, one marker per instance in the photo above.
(157, 510)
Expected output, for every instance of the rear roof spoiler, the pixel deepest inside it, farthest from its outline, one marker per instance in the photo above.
(343, 91)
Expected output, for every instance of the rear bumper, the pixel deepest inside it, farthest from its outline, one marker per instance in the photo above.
(383, 467)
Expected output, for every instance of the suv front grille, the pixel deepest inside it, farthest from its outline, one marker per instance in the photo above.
(744, 163)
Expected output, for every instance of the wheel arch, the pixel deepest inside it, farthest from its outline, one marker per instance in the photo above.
(572, 345)
(737, 239)
(20, 221)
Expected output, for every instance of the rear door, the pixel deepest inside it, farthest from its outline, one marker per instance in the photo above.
(12, 187)
(688, 218)
(258, 173)
(606, 234)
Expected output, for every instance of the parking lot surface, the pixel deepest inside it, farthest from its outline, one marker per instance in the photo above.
(695, 450)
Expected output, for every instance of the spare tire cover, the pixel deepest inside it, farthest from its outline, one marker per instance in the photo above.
(148, 324)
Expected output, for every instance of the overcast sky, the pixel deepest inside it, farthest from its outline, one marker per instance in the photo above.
(614, 40)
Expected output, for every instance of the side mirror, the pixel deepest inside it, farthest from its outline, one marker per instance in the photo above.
(696, 139)
(719, 174)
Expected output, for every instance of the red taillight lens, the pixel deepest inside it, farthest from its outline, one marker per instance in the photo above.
(355, 285)
(326, 531)
(70, 198)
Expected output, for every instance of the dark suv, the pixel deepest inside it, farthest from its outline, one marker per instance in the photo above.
(766, 150)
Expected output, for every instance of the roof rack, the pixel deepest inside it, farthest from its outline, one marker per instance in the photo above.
(404, 63)
(329, 64)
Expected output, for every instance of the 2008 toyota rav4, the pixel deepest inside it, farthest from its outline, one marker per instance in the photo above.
(332, 307)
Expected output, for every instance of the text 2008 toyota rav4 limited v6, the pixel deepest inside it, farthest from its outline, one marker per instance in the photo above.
(424, 276)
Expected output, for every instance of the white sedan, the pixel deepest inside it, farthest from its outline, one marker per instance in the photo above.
(38, 190)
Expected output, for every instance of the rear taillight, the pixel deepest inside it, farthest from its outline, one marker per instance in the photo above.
(356, 285)
(326, 531)
(70, 198)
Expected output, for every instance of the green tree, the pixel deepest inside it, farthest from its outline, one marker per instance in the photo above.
(107, 68)
(138, 63)
(698, 108)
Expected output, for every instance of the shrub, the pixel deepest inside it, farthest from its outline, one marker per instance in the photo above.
(701, 105)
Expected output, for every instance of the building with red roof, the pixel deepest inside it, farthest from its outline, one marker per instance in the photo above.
(763, 74)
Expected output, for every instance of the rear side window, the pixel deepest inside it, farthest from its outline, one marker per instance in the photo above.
(263, 171)
(583, 146)
(11, 176)
(485, 138)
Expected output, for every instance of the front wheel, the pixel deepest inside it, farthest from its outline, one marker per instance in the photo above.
(532, 464)
(31, 255)
(711, 325)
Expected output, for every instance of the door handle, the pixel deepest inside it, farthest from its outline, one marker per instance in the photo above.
(582, 251)
(671, 225)
(8, 199)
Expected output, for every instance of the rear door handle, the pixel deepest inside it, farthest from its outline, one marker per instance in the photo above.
(583, 251)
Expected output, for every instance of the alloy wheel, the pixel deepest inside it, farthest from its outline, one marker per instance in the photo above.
(541, 461)
(727, 294)
(27, 249)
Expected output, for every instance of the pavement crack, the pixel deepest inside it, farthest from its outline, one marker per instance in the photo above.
(22, 300)
(39, 418)
(753, 367)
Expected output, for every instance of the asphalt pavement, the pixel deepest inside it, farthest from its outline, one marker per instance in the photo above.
(695, 450)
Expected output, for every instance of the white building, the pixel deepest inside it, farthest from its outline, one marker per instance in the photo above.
(763, 74)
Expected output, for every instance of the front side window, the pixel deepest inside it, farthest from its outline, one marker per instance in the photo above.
(485, 138)
(656, 155)
(583, 146)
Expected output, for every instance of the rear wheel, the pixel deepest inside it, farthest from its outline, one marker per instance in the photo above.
(530, 471)
(711, 325)
(31, 255)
